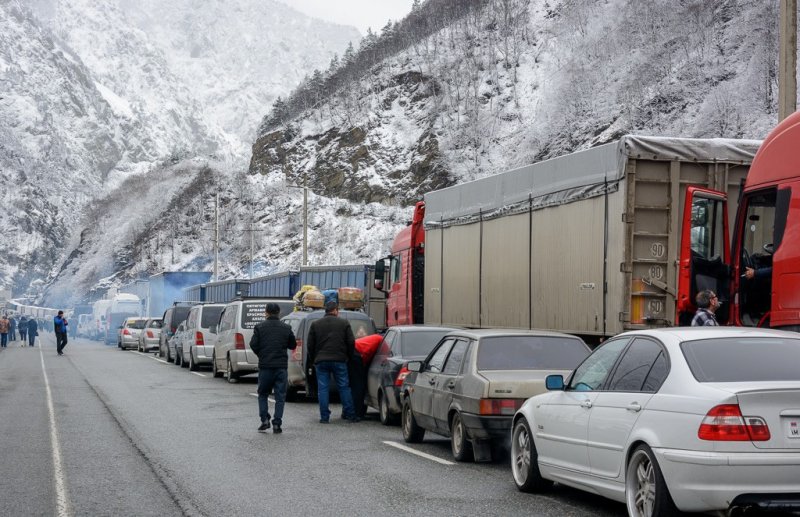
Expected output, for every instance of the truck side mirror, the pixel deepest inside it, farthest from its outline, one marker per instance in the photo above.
(380, 274)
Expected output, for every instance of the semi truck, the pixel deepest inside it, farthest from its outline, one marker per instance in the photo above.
(618, 237)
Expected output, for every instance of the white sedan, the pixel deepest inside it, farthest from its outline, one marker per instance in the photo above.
(693, 419)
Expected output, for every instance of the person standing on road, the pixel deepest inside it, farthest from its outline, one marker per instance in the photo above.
(22, 326)
(33, 331)
(60, 328)
(4, 331)
(12, 328)
(330, 347)
(707, 305)
(271, 339)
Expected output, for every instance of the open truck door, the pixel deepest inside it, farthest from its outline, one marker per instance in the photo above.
(704, 253)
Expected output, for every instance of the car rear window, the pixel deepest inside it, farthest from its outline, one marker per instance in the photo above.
(743, 359)
(210, 316)
(420, 344)
(180, 314)
(361, 327)
(136, 324)
(530, 353)
(156, 324)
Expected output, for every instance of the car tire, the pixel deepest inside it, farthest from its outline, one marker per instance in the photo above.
(525, 460)
(184, 362)
(192, 364)
(459, 441)
(177, 358)
(646, 493)
(214, 370)
(160, 352)
(386, 416)
(412, 432)
(230, 375)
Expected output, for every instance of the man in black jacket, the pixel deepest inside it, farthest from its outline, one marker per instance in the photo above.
(270, 342)
(330, 346)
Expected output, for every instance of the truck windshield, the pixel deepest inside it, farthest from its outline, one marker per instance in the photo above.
(530, 353)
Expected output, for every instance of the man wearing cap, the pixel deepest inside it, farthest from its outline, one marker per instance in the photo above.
(270, 342)
(330, 347)
(60, 327)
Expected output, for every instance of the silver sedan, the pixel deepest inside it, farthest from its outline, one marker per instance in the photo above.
(694, 419)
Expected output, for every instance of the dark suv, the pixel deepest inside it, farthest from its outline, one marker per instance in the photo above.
(301, 321)
(173, 317)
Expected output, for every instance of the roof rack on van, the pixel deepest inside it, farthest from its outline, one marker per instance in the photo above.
(278, 298)
(190, 302)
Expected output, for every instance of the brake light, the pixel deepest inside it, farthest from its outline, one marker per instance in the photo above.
(725, 423)
(198, 338)
(239, 341)
(150, 334)
(401, 376)
(499, 406)
(297, 353)
(126, 332)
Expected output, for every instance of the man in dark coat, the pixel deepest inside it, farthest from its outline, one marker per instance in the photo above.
(33, 331)
(22, 326)
(270, 342)
(60, 328)
(330, 347)
(12, 328)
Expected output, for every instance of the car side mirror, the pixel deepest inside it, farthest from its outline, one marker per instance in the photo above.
(414, 366)
(554, 382)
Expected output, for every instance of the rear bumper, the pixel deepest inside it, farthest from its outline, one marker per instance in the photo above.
(129, 342)
(482, 427)
(239, 363)
(706, 481)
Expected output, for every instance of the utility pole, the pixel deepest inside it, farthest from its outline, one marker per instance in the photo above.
(787, 62)
(216, 237)
(304, 186)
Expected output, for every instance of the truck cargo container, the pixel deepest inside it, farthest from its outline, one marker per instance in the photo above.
(218, 292)
(122, 307)
(167, 287)
(278, 285)
(588, 243)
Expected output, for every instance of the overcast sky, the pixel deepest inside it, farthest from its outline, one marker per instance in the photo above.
(358, 13)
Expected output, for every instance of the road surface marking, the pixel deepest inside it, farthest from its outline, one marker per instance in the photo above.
(198, 373)
(62, 502)
(418, 453)
(149, 356)
(271, 398)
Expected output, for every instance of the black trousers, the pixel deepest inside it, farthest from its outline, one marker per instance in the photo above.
(357, 375)
(61, 341)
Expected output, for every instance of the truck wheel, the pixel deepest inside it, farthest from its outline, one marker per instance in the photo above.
(412, 433)
(525, 460)
(459, 441)
(386, 416)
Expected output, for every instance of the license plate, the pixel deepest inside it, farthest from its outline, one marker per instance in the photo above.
(793, 428)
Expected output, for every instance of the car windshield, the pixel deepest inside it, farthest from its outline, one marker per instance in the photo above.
(530, 353)
(210, 316)
(136, 324)
(743, 359)
(420, 344)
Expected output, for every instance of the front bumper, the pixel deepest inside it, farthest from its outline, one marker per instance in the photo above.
(707, 481)
(481, 427)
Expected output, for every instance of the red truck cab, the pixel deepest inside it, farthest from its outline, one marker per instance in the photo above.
(405, 269)
(760, 277)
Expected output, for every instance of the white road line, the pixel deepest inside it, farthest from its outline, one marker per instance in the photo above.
(198, 373)
(62, 500)
(418, 453)
(149, 356)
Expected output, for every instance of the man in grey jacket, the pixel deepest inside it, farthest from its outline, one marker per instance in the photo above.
(271, 339)
(330, 346)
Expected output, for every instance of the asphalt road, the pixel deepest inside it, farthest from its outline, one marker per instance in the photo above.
(130, 434)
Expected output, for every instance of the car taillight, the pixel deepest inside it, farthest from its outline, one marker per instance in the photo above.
(150, 334)
(297, 353)
(239, 343)
(126, 332)
(198, 339)
(499, 406)
(725, 423)
(401, 376)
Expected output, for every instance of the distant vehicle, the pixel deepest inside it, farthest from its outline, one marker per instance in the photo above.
(174, 343)
(301, 321)
(98, 330)
(232, 355)
(122, 307)
(473, 382)
(171, 319)
(85, 325)
(389, 366)
(148, 339)
(690, 419)
(197, 347)
(129, 333)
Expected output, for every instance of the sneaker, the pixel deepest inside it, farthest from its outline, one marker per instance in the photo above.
(263, 427)
(277, 429)
(324, 421)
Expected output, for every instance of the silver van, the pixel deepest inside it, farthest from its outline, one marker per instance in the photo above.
(197, 345)
(232, 355)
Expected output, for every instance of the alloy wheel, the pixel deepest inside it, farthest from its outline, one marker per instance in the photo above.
(641, 485)
(520, 453)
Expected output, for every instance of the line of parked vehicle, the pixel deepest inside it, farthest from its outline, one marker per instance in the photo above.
(666, 420)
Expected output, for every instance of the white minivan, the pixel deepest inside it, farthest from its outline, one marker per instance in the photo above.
(232, 355)
(197, 345)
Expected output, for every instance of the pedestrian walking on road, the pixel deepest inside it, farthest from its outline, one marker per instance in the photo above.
(22, 326)
(330, 347)
(707, 305)
(4, 324)
(271, 339)
(33, 331)
(60, 328)
(12, 328)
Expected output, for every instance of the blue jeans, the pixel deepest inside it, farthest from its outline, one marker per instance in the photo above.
(269, 380)
(3, 340)
(339, 371)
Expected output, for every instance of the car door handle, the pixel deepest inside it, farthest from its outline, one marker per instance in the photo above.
(586, 403)
(635, 407)
(431, 381)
